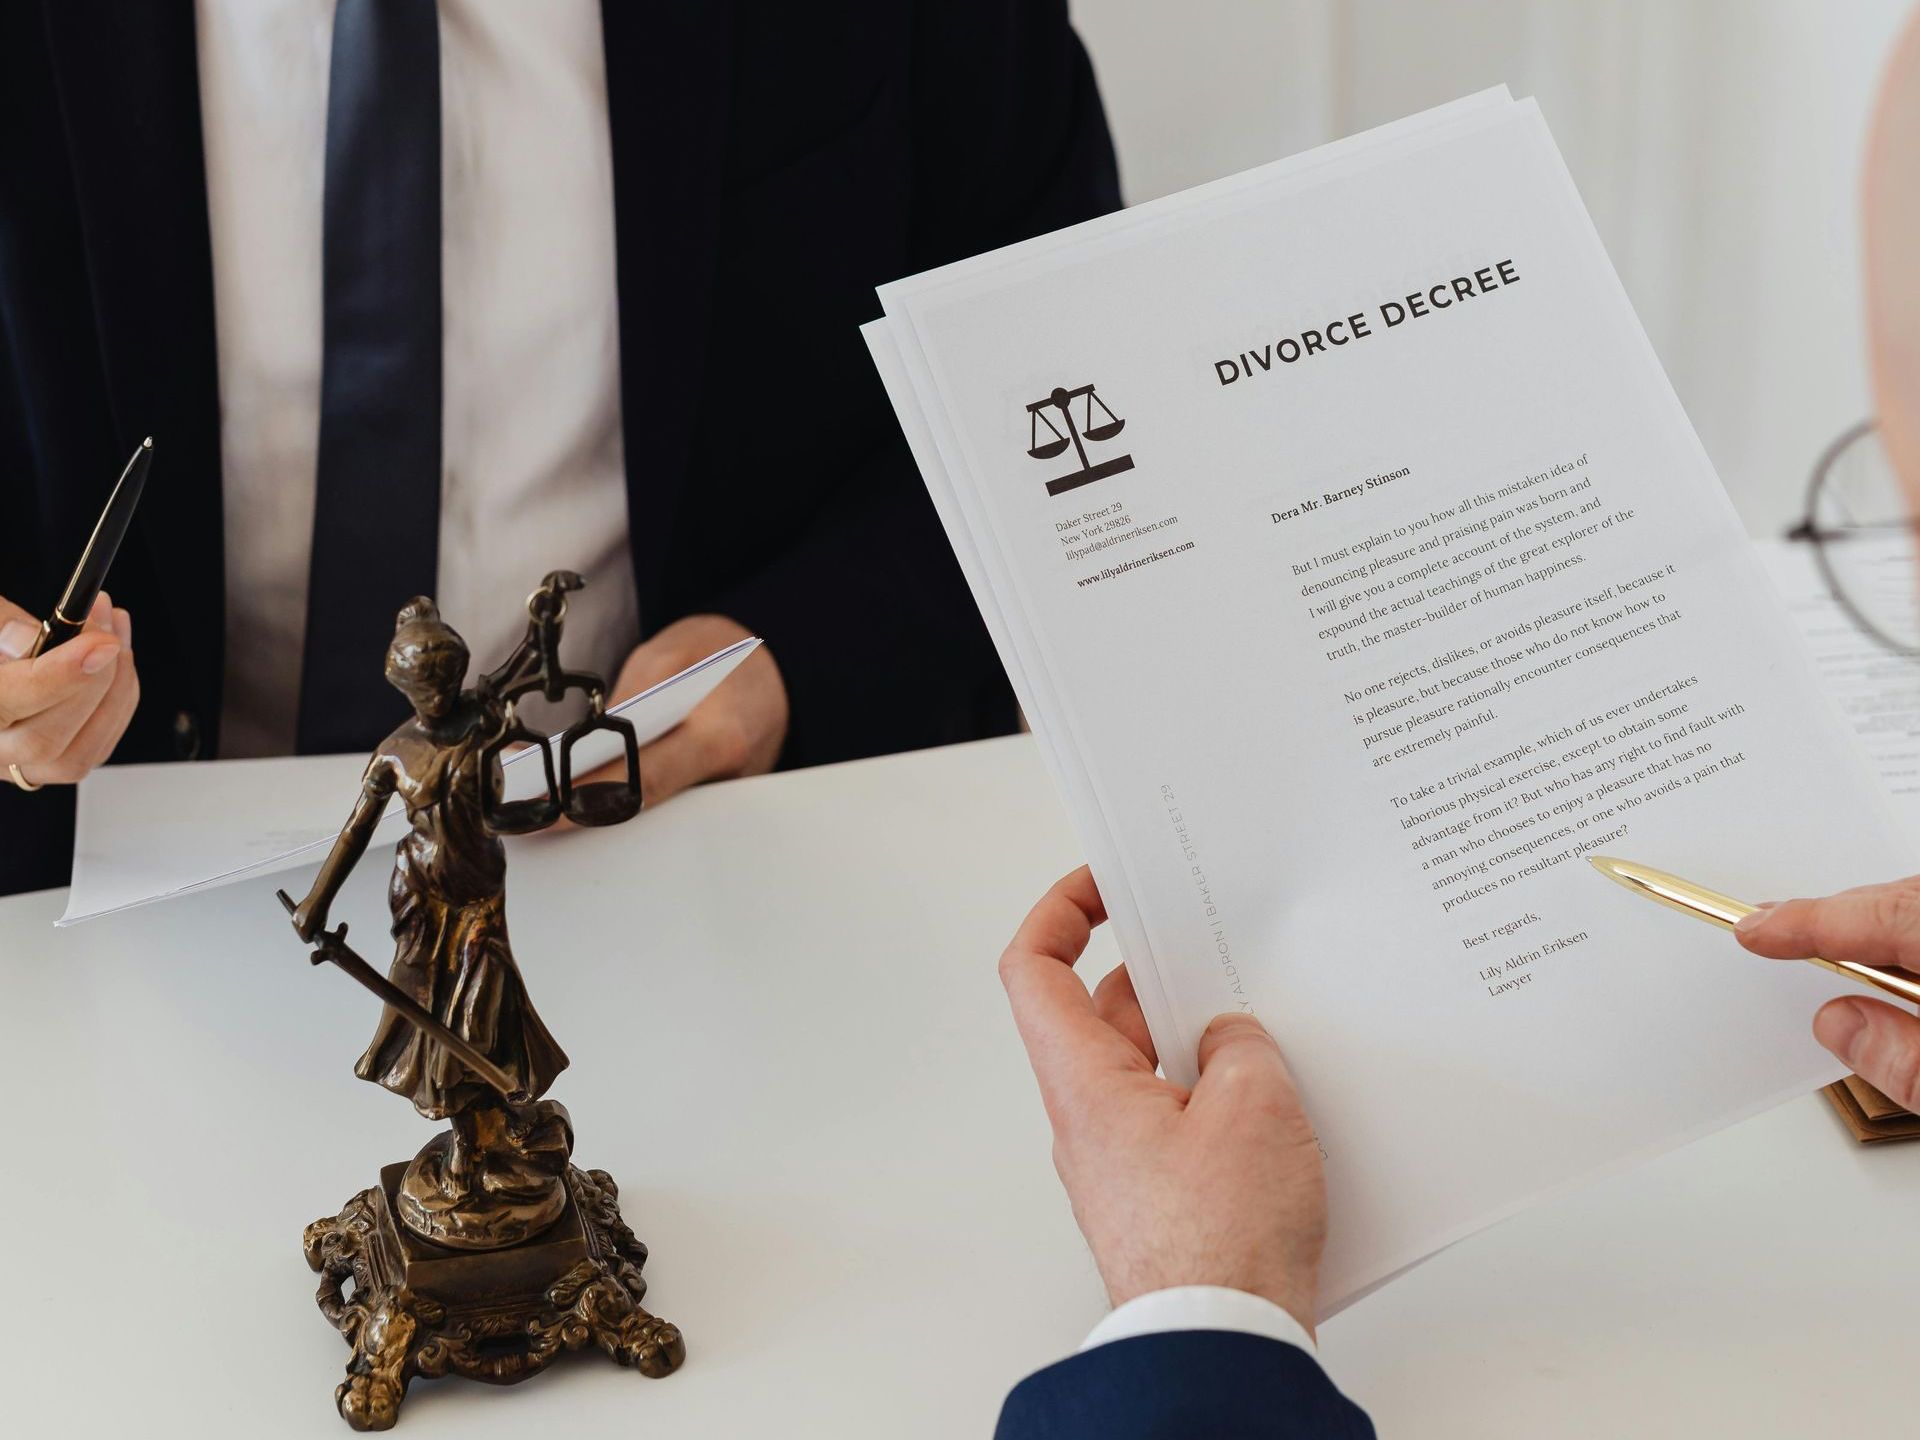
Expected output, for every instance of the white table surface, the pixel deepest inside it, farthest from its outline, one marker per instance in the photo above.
(791, 1051)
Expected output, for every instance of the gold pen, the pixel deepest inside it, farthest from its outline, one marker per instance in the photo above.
(1725, 911)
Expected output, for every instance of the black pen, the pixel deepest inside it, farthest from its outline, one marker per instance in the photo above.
(69, 617)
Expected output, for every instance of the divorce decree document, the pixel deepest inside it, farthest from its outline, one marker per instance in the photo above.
(1352, 544)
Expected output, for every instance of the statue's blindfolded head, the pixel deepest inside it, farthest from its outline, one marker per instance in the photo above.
(427, 661)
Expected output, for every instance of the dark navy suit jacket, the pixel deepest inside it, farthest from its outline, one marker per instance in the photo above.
(772, 163)
(1183, 1385)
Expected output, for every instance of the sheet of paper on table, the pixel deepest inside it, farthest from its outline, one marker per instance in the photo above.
(151, 832)
(1877, 691)
(1360, 573)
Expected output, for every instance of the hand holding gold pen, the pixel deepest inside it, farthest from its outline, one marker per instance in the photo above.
(1873, 930)
(1726, 912)
(62, 711)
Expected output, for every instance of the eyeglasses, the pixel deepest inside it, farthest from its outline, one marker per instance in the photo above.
(1865, 538)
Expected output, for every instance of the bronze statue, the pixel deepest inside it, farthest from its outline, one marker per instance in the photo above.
(489, 1252)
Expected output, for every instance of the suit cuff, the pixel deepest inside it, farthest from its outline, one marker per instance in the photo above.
(1199, 1307)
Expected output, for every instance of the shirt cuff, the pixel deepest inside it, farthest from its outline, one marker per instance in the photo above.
(1200, 1307)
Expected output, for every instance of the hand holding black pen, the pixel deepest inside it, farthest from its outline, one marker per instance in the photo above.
(68, 685)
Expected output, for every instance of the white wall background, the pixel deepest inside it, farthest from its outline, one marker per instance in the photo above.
(1717, 143)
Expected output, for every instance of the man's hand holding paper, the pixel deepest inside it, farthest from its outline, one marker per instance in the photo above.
(1218, 1185)
(1368, 645)
(737, 730)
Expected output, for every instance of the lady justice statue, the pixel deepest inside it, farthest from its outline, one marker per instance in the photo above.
(489, 1253)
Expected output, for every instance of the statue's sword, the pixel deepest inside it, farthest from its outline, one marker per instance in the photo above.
(332, 945)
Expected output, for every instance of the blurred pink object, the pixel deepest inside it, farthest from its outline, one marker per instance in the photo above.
(1892, 227)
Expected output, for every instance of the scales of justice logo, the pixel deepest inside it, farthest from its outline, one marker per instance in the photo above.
(1076, 435)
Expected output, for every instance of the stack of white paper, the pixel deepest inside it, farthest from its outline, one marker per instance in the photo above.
(1360, 574)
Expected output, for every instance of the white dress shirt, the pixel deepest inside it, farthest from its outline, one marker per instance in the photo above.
(533, 470)
(1199, 1307)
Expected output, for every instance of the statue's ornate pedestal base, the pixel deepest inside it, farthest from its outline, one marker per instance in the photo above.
(416, 1308)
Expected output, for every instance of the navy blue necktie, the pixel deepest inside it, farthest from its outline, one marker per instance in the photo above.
(376, 516)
